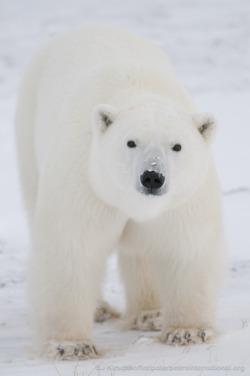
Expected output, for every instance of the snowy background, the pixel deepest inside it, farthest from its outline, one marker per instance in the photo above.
(209, 43)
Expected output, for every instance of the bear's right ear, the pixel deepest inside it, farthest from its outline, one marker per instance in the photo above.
(103, 116)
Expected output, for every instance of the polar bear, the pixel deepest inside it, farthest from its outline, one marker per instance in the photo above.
(114, 154)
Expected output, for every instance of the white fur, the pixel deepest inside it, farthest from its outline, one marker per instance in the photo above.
(84, 96)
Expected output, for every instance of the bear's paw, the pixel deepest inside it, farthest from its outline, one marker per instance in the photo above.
(66, 350)
(105, 312)
(149, 320)
(187, 336)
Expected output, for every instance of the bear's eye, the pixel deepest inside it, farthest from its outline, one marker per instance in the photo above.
(131, 144)
(176, 147)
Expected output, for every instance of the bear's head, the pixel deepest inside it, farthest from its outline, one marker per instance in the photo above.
(148, 158)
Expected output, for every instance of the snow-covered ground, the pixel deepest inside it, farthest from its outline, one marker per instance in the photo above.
(209, 44)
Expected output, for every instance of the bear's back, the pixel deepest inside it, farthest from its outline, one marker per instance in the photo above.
(62, 64)
(84, 48)
(71, 62)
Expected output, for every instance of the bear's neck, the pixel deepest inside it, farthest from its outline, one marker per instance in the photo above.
(127, 82)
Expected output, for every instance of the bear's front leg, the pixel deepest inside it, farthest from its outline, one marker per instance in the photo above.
(66, 270)
(65, 277)
(189, 291)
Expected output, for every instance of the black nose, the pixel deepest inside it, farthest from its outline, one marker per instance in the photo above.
(152, 180)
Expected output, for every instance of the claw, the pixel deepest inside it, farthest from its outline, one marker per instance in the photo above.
(176, 338)
(203, 335)
(76, 351)
(167, 337)
(60, 350)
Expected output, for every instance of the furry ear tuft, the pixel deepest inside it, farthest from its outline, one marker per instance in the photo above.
(206, 125)
(103, 116)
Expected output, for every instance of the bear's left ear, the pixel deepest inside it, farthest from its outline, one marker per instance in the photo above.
(206, 125)
(103, 116)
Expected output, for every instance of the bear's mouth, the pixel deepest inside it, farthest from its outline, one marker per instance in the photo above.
(151, 192)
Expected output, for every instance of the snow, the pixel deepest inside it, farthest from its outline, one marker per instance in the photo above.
(208, 42)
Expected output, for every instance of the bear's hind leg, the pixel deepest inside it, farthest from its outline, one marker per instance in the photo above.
(143, 311)
(104, 311)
